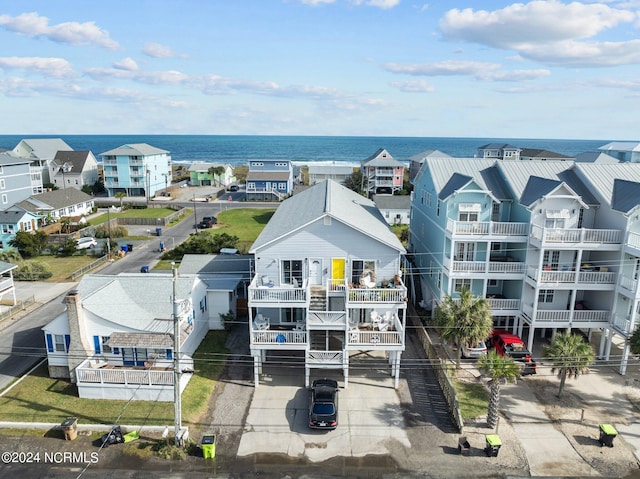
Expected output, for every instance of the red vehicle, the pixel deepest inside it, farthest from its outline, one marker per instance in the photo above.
(510, 345)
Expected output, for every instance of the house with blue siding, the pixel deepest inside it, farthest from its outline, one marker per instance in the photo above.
(136, 170)
(15, 179)
(41, 153)
(269, 179)
(16, 219)
(328, 283)
(552, 245)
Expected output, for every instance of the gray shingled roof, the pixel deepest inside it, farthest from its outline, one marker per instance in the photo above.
(381, 158)
(56, 199)
(595, 157)
(456, 182)
(236, 264)
(136, 340)
(327, 198)
(442, 169)
(539, 154)
(134, 149)
(76, 159)
(13, 214)
(392, 202)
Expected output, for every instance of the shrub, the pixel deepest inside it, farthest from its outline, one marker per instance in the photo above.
(33, 271)
(102, 231)
(29, 244)
(202, 243)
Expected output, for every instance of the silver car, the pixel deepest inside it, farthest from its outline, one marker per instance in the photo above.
(474, 351)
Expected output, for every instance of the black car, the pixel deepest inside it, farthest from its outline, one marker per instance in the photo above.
(207, 222)
(233, 188)
(323, 404)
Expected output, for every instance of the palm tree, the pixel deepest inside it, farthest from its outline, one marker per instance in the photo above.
(500, 369)
(121, 196)
(215, 171)
(569, 355)
(466, 320)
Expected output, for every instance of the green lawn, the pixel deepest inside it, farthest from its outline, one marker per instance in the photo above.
(62, 267)
(133, 213)
(39, 398)
(245, 223)
(473, 399)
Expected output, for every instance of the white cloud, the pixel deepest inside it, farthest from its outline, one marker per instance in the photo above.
(448, 67)
(416, 86)
(170, 77)
(156, 50)
(74, 33)
(126, 64)
(316, 2)
(54, 67)
(547, 31)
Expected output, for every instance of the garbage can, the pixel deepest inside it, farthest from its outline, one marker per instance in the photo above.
(70, 428)
(124, 248)
(158, 231)
(130, 247)
(493, 444)
(607, 434)
(144, 269)
(208, 445)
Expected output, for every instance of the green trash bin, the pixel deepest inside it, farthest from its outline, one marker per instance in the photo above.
(607, 434)
(493, 445)
(208, 445)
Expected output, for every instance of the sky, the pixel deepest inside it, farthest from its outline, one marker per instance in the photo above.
(491, 69)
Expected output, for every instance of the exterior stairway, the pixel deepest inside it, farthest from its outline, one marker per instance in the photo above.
(317, 299)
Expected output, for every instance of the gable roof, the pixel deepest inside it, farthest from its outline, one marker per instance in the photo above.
(595, 157)
(392, 202)
(134, 149)
(75, 159)
(227, 264)
(539, 154)
(420, 157)
(621, 146)
(204, 167)
(536, 188)
(15, 213)
(7, 158)
(381, 158)
(327, 198)
(477, 169)
(44, 148)
(55, 199)
(601, 178)
(498, 146)
(626, 195)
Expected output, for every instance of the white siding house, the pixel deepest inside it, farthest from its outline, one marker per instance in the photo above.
(327, 282)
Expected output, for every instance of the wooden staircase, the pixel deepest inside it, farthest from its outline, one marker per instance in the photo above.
(317, 299)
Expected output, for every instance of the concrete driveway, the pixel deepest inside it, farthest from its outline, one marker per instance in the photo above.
(369, 418)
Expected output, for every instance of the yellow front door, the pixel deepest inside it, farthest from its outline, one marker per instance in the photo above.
(337, 270)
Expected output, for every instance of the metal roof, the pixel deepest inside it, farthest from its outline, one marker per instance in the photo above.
(536, 188)
(626, 195)
(602, 176)
(134, 149)
(595, 157)
(45, 148)
(327, 198)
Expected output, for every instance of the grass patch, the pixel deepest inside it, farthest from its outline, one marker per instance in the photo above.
(473, 399)
(165, 264)
(63, 266)
(245, 223)
(39, 398)
(133, 213)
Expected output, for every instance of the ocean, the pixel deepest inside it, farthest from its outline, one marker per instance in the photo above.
(238, 149)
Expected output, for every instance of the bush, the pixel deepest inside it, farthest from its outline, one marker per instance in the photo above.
(202, 243)
(29, 244)
(34, 271)
(68, 248)
(102, 231)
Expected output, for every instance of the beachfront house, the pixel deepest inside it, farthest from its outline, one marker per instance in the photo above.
(336, 171)
(136, 170)
(15, 179)
(552, 245)
(116, 338)
(211, 174)
(57, 204)
(14, 219)
(416, 161)
(327, 284)
(269, 179)
(40, 152)
(503, 151)
(73, 169)
(628, 151)
(382, 174)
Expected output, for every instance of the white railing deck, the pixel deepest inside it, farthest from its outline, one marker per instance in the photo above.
(487, 228)
(283, 293)
(584, 277)
(622, 323)
(498, 267)
(576, 316)
(377, 295)
(123, 375)
(278, 337)
(576, 235)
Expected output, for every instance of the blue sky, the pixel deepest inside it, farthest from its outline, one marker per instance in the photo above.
(542, 69)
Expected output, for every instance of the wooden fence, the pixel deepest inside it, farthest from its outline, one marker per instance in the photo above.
(21, 305)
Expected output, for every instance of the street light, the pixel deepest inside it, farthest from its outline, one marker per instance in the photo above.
(195, 213)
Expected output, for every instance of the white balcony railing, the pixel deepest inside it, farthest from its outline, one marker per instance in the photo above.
(504, 304)
(563, 316)
(325, 358)
(283, 293)
(377, 295)
(633, 240)
(576, 235)
(374, 338)
(498, 267)
(622, 323)
(326, 319)
(487, 228)
(581, 277)
(628, 283)
(124, 376)
(277, 337)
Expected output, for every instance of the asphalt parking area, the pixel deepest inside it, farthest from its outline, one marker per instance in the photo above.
(370, 418)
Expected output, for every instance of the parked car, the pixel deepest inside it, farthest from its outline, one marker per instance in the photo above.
(207, 222)
(233, 188)
(510, 345)
(473, 351)
(86, 242)
(323, 404)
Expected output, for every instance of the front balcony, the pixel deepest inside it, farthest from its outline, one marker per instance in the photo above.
(549, 318)
(592, 280)
(279, 338)
(363, 296)
(603, 239)
(629, 285)
(488, 228)
(514, 268)
(632, 245)
(383, 332)
(273, 295)
(623, 325)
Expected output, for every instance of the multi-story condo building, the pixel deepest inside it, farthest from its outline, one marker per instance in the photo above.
(550, 244)
(328, 283)
(136, 170)
(15, 179)
(503, 151)
(269, 179)
(382, 174)
(40, 152)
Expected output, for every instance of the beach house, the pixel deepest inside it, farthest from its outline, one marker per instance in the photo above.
(327, 284)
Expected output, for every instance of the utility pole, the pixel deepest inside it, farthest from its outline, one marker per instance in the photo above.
(195, 213)
(177, 411)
